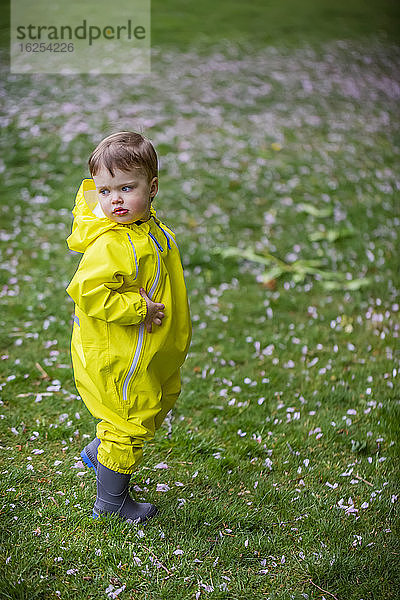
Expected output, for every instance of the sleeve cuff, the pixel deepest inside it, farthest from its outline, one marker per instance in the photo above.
(142, 311)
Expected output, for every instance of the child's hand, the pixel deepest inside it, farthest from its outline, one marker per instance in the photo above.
(154, 311)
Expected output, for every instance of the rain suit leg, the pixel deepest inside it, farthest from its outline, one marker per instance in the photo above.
(121, 447)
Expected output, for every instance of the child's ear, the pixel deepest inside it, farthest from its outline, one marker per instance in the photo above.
(153, 188)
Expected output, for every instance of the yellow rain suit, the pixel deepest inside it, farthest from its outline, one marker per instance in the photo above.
(127, 377)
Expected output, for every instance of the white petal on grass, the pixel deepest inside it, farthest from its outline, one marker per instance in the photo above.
(268, 463)
(113, 592)
(162, 487)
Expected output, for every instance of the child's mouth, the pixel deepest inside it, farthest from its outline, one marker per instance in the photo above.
(120, 211)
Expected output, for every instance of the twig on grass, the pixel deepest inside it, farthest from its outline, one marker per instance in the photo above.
(158, 560)
(34, 394)
(215, 541)
(320, 588)
(43, 373)
(362, 479)
(286, 522)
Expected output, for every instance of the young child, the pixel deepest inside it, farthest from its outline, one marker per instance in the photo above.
(132, 325)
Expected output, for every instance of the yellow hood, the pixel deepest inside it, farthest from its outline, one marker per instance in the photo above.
(89, 219)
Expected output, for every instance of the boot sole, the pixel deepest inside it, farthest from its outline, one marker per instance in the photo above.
(87, 461)
(151, 514)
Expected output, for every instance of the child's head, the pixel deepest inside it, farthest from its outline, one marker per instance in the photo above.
(124, 170)
(125, 150)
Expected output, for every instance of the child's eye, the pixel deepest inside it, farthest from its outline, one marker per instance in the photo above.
(127, 188)
(103, 192)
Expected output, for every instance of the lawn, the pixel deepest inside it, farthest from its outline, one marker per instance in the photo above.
(277, 474)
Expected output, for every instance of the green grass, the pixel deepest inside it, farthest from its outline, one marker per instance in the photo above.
(282, 451)
(182, 23)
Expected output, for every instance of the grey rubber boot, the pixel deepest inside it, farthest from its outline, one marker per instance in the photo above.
(113, 497)
(89, 454)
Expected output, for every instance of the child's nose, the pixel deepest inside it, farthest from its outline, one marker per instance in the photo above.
(115, 197)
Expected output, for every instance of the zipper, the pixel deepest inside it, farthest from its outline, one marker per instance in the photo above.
(139, 345)
(157, 277)
(134, 254)
(134, 363)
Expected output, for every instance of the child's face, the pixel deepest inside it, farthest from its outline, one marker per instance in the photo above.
(127, 196)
